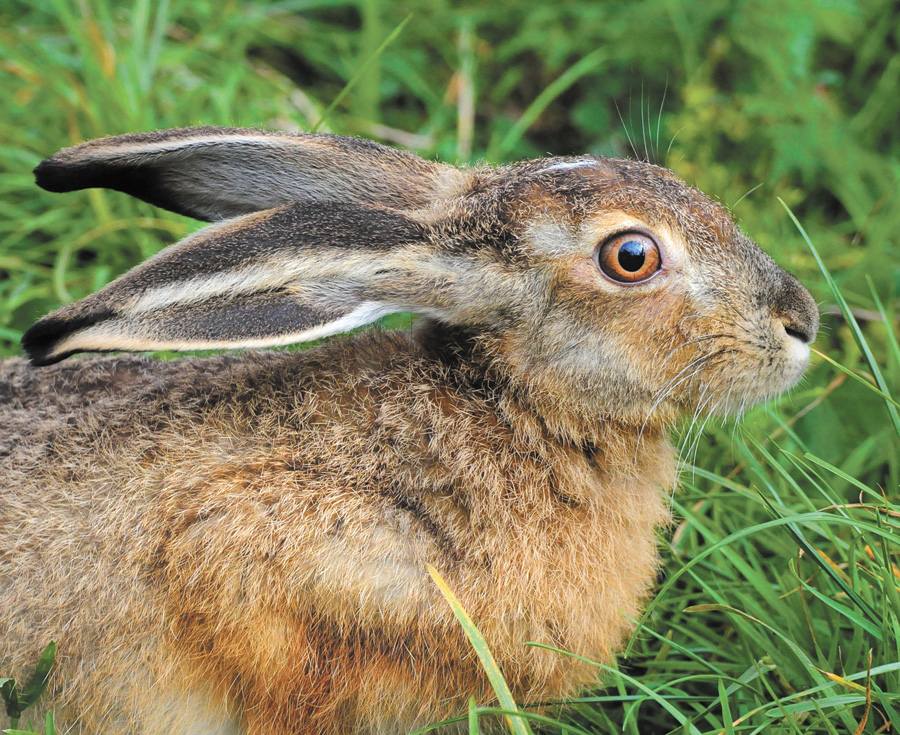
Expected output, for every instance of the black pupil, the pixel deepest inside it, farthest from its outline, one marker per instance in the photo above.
(632, 255)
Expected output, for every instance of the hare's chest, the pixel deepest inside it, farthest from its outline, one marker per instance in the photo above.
(570, 578)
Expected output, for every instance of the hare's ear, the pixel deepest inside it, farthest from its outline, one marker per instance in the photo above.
(217, 173)
(291, 274)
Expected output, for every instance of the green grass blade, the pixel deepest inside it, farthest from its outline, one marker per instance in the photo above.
(10, 694)
(840, 700)
(571, 75)
(656, 697)
(860, 379)
(851, 320)
(473, 717)
(532, 717)
(857, 620)
(891, 334)
(38, 681)
(817, 517)
(361, 71)
(726, 709)
(840, 473)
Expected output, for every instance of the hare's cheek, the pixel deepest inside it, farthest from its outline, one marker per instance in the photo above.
(641, 317)
(661, 309)
(648, 322)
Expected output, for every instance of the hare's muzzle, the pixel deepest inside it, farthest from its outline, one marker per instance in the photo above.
(795, 308)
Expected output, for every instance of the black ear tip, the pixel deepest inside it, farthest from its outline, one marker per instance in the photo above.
(51, 175)
(41, 360)
(39, 340)
(45, 335)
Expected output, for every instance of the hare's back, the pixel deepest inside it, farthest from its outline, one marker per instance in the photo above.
(34, 400)
(78, 403)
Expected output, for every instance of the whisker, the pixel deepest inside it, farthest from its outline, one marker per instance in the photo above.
(659, 117)
(684, 447)
(643, 125)
(625, 128)
(694, 367)
(695, 340)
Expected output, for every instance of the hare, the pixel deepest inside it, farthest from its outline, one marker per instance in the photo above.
(237, 543)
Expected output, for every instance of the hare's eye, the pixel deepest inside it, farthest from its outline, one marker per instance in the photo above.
(629, 257)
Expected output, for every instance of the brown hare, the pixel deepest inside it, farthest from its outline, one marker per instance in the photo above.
(237, 544)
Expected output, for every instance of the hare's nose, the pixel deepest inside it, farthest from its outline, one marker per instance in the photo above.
(795, 308)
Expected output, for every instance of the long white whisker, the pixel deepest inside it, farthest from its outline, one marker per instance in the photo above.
(669, 388)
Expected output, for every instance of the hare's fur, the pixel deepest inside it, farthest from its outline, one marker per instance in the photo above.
(255, 529)
(237, 544)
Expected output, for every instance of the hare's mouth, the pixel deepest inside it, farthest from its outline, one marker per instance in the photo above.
(743, 370)
(798, 348)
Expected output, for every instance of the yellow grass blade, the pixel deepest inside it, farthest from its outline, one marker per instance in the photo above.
(517, 725)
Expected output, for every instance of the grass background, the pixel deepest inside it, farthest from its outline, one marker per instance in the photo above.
(779, 611)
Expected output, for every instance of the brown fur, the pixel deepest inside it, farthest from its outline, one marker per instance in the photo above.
(237, 544)
(274, 515)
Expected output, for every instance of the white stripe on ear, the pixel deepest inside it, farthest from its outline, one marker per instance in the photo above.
(292, 274)
(200, 288)
(137, 149)
(108, 336)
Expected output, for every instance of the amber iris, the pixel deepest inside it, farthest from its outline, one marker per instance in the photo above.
(629, 258)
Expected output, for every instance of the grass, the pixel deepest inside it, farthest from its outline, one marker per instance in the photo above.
(778, 610)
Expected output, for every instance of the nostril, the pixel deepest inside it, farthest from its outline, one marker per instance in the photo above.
(795, 309)
(793, 331)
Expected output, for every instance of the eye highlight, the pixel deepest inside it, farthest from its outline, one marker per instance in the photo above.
(629, 257)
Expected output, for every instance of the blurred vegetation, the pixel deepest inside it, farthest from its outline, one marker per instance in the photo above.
(776, 584)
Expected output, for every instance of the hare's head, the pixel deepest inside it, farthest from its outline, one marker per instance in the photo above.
(596, 287)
